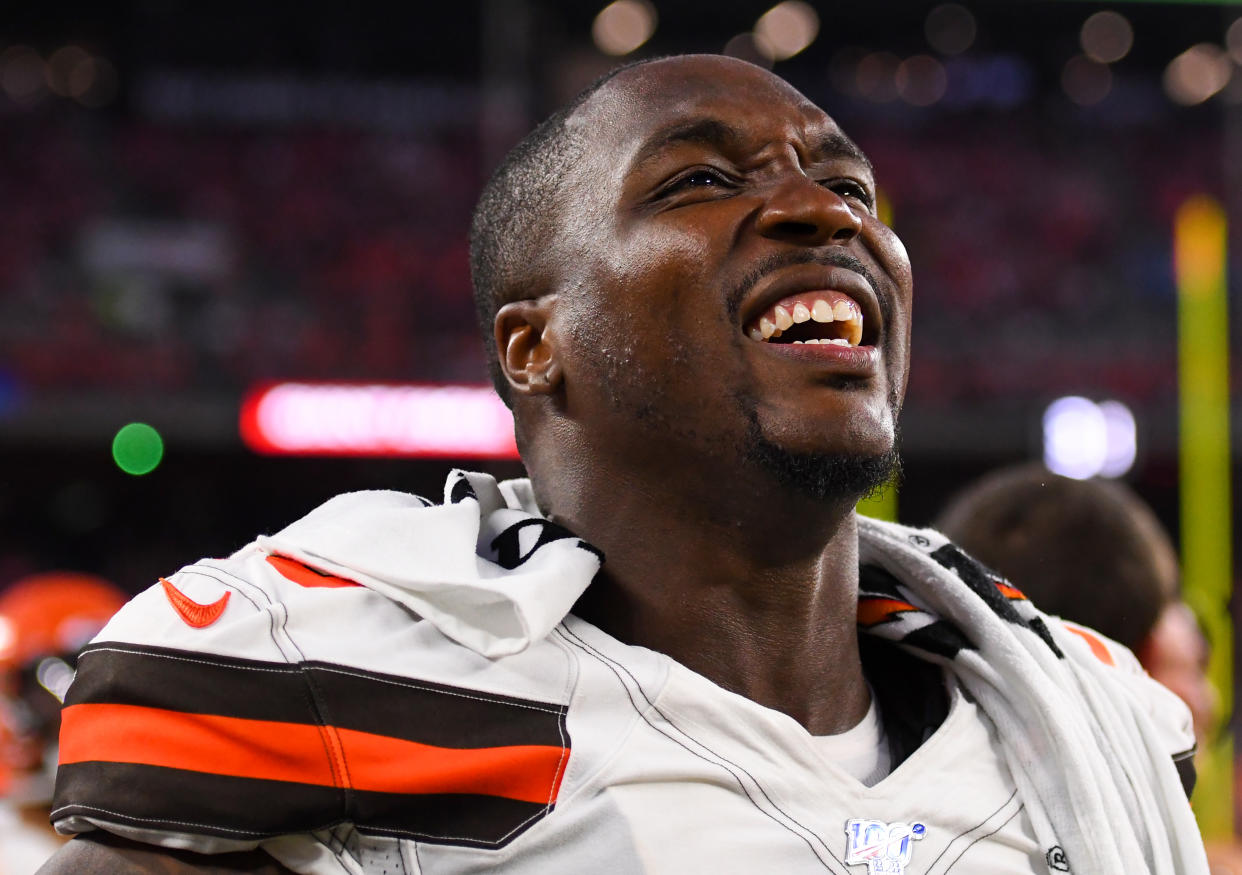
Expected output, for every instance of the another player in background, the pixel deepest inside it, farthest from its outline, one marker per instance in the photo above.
(44, 621)
(1092, 552)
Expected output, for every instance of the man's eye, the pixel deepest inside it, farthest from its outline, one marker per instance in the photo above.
(700, 179)
(850, 188)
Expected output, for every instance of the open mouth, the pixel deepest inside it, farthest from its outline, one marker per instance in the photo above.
(819, 317)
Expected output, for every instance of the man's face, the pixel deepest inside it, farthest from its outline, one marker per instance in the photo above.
(718, 218)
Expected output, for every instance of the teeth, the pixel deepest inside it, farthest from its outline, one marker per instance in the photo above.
(854, 335)
(835, 341)
(782, 319)
(821, 311)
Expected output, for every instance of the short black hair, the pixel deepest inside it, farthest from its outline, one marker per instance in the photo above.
(515, 217)
(1090, 551)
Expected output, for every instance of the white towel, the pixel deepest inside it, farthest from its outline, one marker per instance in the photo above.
(1091, 761)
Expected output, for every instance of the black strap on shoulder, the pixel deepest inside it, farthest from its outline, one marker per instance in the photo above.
(910, 693)
(1185, 763)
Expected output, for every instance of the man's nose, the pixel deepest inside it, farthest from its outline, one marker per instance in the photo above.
(801, 210)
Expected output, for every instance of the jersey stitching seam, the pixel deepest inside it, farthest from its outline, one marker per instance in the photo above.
(246, 832)
(725, 761)
(967, 832)
(334, 853)
(291, 669)
(332, 749)
(982, 837)
(560, 764)
(477, 696)
(267, 597)
(542, 812)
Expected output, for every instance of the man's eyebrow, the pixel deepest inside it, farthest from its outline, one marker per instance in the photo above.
(837, 145)
(723, 136)
(704, 131)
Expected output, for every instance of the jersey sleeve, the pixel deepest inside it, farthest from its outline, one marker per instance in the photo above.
(188, 727)
(250, 701)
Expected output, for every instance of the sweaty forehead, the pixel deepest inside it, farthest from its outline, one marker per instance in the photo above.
(645, 103)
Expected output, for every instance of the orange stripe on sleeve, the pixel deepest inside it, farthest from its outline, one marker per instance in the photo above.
(295, 752)
(198, 742)
(392, 765)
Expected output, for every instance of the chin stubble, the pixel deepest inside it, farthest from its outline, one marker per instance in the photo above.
(828, 477)
(843, 477)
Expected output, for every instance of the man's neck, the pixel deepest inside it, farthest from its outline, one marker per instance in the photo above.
(755, 590)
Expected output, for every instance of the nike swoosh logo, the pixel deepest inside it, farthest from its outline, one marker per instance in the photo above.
(194, 614)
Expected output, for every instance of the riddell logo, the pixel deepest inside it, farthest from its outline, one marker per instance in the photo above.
(194, 614)
(884, 848)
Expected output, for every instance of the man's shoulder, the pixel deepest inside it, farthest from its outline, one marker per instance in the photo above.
(278, 613)
(274, 691)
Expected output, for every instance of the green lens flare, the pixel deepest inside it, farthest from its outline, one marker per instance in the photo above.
(137, 449)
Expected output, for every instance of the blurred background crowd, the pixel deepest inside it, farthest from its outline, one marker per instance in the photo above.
(197, 200)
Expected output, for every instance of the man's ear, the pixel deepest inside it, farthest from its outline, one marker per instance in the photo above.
(527, 346)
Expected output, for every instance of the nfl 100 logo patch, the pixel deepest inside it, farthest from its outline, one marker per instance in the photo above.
(884, 848)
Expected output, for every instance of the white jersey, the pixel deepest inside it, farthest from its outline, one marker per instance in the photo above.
(304, 696)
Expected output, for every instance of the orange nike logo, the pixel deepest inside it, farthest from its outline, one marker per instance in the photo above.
(196, 615)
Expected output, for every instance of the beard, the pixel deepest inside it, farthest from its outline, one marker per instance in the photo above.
(828, 477)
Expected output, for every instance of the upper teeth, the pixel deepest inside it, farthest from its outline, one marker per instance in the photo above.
(783, 316)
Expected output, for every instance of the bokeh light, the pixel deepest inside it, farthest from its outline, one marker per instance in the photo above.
(786, 29)
(61, 66)
(138, 448)
(1106, 37)
(745, 47)
(22, 74)
(1074, 437)
(1197, 73)
(921, 80)
(623, 26)
(877, 76)
(1086, 82)
(1083, 439)
(1120, 439)
(950, 28)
